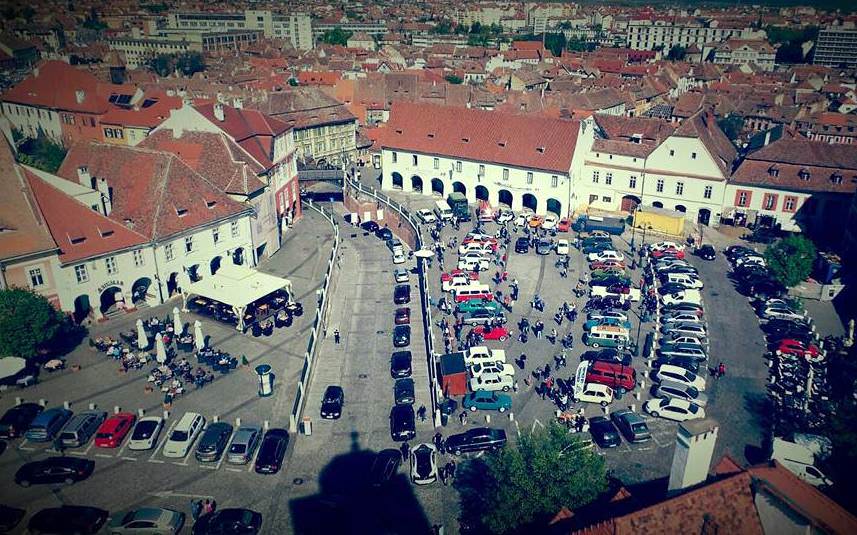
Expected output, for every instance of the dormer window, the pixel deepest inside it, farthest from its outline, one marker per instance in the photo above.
(431, 135)
(501, 143)
(774, 171)
(210, 204)
(541, 150)
(106, 233)
(804, 174)
(637, 138)
(181, 212)
(399, 131)
(836, 178)
(465, 140)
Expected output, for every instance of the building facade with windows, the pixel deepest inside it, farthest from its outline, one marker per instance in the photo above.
(836, 46)
(293, 27)
(665, 34)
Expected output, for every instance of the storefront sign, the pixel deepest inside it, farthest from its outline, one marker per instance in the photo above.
(110, 283)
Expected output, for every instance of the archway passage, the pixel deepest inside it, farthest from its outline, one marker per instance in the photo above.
(417, 183)
(214, 265)
(173, 284)
(704, 216)
(397, 180)
(530, 201)
(680, 208)
(82, 308)
(555, 207)
(481, 193)
(193, 273)
(110, 298)
(437, 186)
(629, 203)
(460, 188)
(658, 204)
(140, 289)
(238, 256)
(505, 197)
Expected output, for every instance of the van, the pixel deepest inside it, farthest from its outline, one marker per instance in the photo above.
(685, 279)
(442, 210)
(395, 246)
(473, 291)
(606, 336)
(47, 424)
(81, 427)
(617, 376)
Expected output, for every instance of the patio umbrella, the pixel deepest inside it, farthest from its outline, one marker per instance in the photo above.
(177, 322)
(424, 253)
(198, 340)
(142, 339)
(160, 349)
(10, 366)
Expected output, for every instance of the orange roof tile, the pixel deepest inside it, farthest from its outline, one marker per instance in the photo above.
(58, 85)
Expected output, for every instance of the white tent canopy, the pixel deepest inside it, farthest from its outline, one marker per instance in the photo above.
(236, 286)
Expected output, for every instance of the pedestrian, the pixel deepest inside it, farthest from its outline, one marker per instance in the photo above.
(336, 336)
(421, 412)
(462, 418)
(405, 449)
(441, 472)
(721, 370)
(213, 505)
(450, 469)
(195, 509)
(515, 386)
(206, 507)
(438, 440)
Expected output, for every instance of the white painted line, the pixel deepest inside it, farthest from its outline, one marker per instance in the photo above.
(86, 451)
(178, 463)
(77, 453)
(129, 459)
(225, 449)
(25, 448)
(208, 466)
(163, 441)
(103, 455)
(124, 445)
(159, 461)
(234, 469)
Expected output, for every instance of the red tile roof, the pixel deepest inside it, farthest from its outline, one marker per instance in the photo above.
(55, 85)
(517, 140)
(79, 231)
(148, 117)
(251, 129)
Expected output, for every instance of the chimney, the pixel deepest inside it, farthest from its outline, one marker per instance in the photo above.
(83, 176)
(79, 95)
(694, 447)
(106, 196)
(218, 111)
(36, 72)
(237, 103)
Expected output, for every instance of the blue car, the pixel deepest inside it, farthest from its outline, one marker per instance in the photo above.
(606, 321)
(488, 401)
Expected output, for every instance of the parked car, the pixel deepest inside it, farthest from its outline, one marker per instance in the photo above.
(213, 442)
(66, 470)
(271, 452)
(10, 517)
(384, 467)
(403, 391)
(492, 382)
(798, 348)
(669, 372)
(485, 400)
(589, 324)
(602, 314)
(596, 393)
(604, 432)
(550, 221)
(632, 425)
(81, 427)
(146, 433)
(683, 350)
(45, 426)
(501, 368)
(522, 245)
(476, 439)
(676, 409)
(544, 246)
(564, 225)
(661, 245)
(114, 430)
(370, 226)
(482, 354)
(402, 424)
(401, 335)
(223, 521)
(400, 275)
(68, 520)
(689, 340)
(424, 464)
(402, 316)
(183, 435)
(683, 296)
(608, 354)
(244, 444)
(426, 215)
(147, 521)
(402, 294)
(674, 316)
(16, 420)
(384, 234)
(605, 255)
(482, 317)
(400, 364)
(674, 389)
(492, 333)
(696, 308)
(706, 252)
(562, 247)
(687, 363)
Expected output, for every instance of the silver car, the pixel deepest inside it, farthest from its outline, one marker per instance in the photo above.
(683, 317)
(673, 329)
(244, 444)
(683, 350)
(148, 521)
(675, 389)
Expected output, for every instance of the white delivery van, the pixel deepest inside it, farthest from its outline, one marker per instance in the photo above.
(442, 211)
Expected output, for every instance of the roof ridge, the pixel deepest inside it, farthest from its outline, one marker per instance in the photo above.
(163, 185)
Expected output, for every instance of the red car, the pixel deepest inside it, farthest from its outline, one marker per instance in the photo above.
(797, 348)
(112, 432)
(492, 333)
(607, 264)
(403, 316)
(564, 225)
(672, 253)
(492, 242)
(455, 272)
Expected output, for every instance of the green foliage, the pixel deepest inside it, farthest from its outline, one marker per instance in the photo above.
(731, 125)
(186, 63)
(790, 40)
(444, 27)
(453, 79)
(576, 44)
(520, 487)
(29, 324)
(155, 8)
(41, 153)
(790, 259)
(677, 53)
(480, 35)
(293, 82)
(162, 64)
(336, 36)
(555, 42)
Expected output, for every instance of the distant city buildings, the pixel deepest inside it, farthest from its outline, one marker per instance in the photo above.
(295, 28)
(836, 46)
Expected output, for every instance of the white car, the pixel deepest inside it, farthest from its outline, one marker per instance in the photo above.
(550, 221)
(681, 316)
(469, 264)
(475, 247)
(684, 296)
(146, 432)
(500, 368)
(668, 372)
(183, 435)
(523, 218)
(596, 393)
(673, 328)
(606, 314)
(426, 215)
(687, 340)
(562, 247)
(476, 236)
(662, 245)
(492, 382)
(602, 256)
(676, 409)
(751, 260)
(424, 464)
(781, 313)
(483, 355)
(458, 281)
(474, 255)
(504, 216)
(399, 257)
(401, 275)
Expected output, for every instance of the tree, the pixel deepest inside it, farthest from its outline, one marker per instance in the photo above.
(731, 125)
(336, 36)
(676, 53)
(162, 64)
(189, 63)
(29, 324)
(790, 259)
(453, 79)
(520, 487)
(443, 27)
(555, 42)
(42, 153)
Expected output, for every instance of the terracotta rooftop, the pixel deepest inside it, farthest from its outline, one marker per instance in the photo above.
(251, 129)
(303, 107)
(484, 136)
(59, 86)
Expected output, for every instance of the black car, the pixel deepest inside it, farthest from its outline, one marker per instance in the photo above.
(384, 467)
(608, 355)
(688, 363)
(229, 522)
(54, 470)
(210, 447)
(400, 364)
(271, 452)
(780, 329)
(522, 245)
(402, 294)
(384, 234)
(736, 251)
(476, 439)
(402, 424)
(331, 403)
(671, 288)
(401, 335)
(10, 517)
(370, 226)
(17, 420)
(706, 252)
(68, 519)
(767, 289)
(604, 432)
(403, 391)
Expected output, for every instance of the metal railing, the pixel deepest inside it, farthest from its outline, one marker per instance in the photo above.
(321, 174)
(317, 324)
(425, 297)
